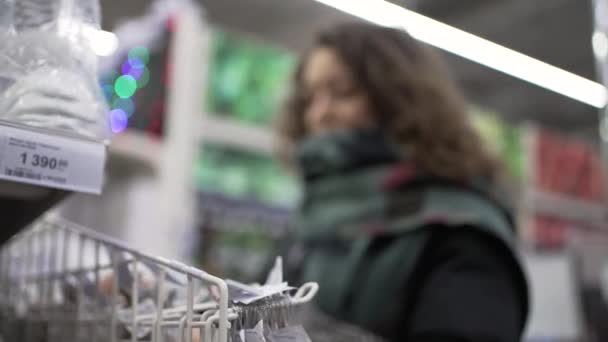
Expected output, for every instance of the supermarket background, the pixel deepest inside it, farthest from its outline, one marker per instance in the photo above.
(191, 173)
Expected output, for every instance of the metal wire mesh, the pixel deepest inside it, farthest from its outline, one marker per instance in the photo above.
(60, 282)
(63, 282)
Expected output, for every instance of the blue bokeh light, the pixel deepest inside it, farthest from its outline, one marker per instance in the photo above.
(133, 67)
(118, 120)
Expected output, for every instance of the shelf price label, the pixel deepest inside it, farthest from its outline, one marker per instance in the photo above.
(48, 160)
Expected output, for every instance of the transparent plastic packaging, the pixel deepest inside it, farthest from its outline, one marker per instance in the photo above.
(48, 70)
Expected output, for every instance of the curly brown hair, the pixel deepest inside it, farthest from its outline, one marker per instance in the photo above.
(415, 99)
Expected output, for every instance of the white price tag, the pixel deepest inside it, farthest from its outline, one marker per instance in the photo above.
(59, 162)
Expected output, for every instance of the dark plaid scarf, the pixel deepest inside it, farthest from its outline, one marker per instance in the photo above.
(356, 182)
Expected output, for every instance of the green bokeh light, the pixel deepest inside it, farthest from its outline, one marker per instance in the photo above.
(140, 52)
(143, 80)
(125, 86)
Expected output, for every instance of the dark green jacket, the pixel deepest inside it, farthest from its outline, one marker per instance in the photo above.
(362, 236)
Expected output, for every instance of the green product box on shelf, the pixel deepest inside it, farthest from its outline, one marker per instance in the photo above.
(247, 79)
(242, 174)
(504, 139)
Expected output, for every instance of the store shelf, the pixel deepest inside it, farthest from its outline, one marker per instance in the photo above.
(230, 132)
(578, 210)
(137, 146)
(252, 215)
(215, 201)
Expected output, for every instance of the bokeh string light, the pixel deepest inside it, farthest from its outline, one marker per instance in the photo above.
(133, 67)
(141, 53)
(119, 89)
(127, 105)
(125, 86)
(143, 80)
(118, 120)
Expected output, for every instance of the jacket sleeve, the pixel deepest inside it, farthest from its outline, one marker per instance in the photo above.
(468, 290)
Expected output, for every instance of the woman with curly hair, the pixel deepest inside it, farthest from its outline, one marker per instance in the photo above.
(402, 222)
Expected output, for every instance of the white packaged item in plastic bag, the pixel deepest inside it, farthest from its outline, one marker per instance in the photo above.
(48, 70)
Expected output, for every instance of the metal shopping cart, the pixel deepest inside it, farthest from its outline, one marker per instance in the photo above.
(63, 282)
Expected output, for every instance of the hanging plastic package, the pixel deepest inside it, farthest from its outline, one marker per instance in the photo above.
(48, 68)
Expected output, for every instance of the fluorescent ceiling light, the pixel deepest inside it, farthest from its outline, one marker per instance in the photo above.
(476, 49)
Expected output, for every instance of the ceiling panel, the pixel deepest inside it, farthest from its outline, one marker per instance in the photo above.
(556, 31)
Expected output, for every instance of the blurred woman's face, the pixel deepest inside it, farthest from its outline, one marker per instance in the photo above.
(333, 100)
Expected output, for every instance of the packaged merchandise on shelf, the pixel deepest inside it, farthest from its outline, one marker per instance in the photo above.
(48, 68)
(504, 139)
(246, 78)
(244, 201)
(244, 175)
(567, 167)
(239, 237)
(549, 232)
(561, 178)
